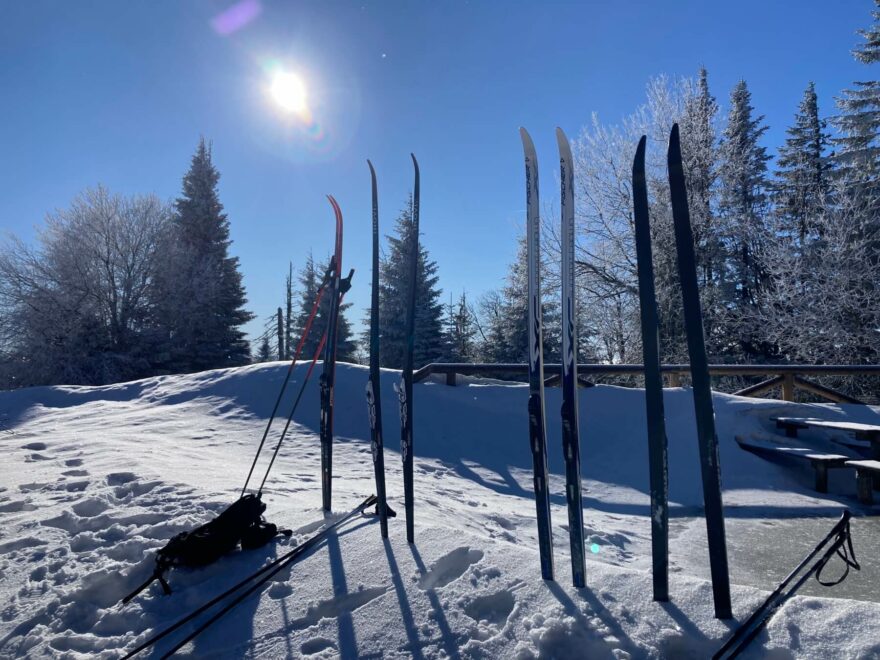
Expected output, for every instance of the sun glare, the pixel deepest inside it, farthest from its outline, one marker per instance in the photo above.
(289, 92)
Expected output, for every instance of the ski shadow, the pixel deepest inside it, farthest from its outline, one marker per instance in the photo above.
(447, 637)
(346, 633)
(406, 615)
(233, 635)
(597, 646)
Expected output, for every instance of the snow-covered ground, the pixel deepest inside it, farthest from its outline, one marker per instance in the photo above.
(93, 480)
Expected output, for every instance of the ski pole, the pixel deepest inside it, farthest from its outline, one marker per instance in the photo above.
(289, 559)
(299, 395)
(759, 618)
(289, 556)
(302, 341)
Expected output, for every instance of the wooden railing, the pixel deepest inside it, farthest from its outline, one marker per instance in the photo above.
(787, 377)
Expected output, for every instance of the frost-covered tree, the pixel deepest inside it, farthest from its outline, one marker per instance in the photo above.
(461, 331)
(743, 210)
(858, 145)
(394, 296)
(76, 308)
(198, 293)
(820, 304)
(505, 315)
(803, 173)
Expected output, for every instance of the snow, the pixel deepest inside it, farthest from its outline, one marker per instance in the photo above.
(95, 479)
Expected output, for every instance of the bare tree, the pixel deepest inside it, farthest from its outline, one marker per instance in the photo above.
(76, 308)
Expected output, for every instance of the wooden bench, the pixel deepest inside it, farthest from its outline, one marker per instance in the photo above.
(866, 473)
(820, 462)
(863, 432)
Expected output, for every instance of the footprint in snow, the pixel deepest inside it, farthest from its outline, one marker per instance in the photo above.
(16, 506)
(316, 645)
(35, 446)
(492, 608)
(120, 478)
(73, 462)
(332, 608)
(449, 568)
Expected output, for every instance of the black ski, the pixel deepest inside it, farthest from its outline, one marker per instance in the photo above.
(328, 375)
(657, 450)
(702, 387)
(570, 431)
(537, 428)
(264, 574)
(405, 390)
(374, 385)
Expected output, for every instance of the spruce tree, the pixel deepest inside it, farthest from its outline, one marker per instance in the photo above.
(199, 293)
(394, 294)
(700, 160)
(743, 175)
(265, 352)
(858, 146)
(461, 330)
(803, 183)
(743, 205)
(311, 277)
(508, 339)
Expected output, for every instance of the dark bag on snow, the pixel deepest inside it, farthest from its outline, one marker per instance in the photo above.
(241, 523)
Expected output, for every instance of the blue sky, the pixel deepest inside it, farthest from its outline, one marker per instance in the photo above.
(118, 93)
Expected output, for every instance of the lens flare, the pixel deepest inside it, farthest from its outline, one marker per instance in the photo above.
(289, 92)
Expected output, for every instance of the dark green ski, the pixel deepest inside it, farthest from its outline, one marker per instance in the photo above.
(702, 387)
(657, 450)
(374, 385)
(405, 390)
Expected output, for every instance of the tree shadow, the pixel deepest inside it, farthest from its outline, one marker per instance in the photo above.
(447, 637)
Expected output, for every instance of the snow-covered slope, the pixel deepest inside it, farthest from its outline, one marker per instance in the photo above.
(93, 480)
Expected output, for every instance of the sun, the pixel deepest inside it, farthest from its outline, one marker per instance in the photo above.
(289, 92)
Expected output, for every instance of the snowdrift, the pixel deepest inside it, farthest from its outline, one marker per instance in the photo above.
(94, 479)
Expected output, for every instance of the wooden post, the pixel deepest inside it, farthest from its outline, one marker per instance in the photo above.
(866, 495)
(821, 477)
(450, 378)
(788, 387)
(674, 379)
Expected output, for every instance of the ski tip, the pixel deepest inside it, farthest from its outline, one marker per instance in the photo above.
(372, 171)
(560, 137)
(673, 154)
(415, 162)
(528, 145)
(639, 160)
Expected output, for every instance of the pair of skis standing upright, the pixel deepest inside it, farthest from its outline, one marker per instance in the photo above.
(405, 388)
(657, 444)
(537, 427)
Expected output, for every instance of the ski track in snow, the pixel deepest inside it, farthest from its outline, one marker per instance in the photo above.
(94, 480)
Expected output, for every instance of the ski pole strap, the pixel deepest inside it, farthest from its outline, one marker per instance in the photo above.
(843, 548)
(157, 575)
(345, 283)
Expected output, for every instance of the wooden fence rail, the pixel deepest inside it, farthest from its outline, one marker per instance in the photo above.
(785, 376)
